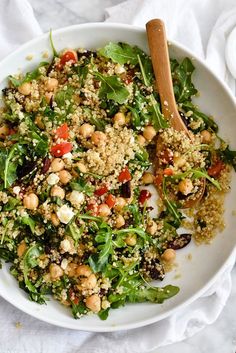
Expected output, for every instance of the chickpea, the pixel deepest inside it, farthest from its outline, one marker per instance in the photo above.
(149, 132)
(185, 186)
(25, 88)
(169, 255)
(39, 122)
(131, 240)
(55, 220)
(120, 203)
(141, 140)
(93, 303)
(57, 191)
(31, 201)
(21, 248)
(98, 138)
(103, 210)
(48, 96)
(147, 178)
(206, 136)
(119, 221)
(55, 272)
(83, 270)
(71, 269)
(65, 177)
(86, 130)
(4, 131)
(57, 165)
(179, 161)
(82, 168)
(89, 282)
(119, 119)
(152, 227)
(51, 84)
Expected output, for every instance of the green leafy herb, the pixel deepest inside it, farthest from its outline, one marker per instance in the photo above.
(157, 117)
(171, 207)
(28, 221)
(75, 232)
(64, 95)
(103, 314)
(95, 120)
(78, 309)
(9, 160)
(152, 294)
(112, 88)
(29, 76)
(6, 254)
(103, 240)
(182, 79)
(197, 174)
(11, 204)
(121, 53)
(82, 185)
(30, 261)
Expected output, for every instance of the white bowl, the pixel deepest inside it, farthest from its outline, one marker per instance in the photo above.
(192, 276)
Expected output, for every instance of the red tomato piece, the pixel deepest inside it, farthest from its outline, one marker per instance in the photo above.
(168, 172)
(124, 175)
(158, 180)
(69, 55)
(61, 148)
(62, 132)
(144, 195)
(215, 169)
(101, 191)
(93, 208)
(110, 200)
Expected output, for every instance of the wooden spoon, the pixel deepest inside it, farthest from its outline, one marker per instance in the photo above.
(161, 65)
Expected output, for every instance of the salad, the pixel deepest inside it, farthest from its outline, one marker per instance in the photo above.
(78, 153)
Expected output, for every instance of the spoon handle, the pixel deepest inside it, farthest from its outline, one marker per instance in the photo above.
(161, 65)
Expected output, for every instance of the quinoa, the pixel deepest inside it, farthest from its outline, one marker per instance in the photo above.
(84, 149)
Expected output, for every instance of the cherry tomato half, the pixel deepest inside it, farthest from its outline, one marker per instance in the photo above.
(69, 55)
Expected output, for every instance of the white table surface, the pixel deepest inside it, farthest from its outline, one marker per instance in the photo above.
(219, 337)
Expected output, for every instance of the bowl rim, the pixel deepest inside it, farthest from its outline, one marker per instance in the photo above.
(226, 263)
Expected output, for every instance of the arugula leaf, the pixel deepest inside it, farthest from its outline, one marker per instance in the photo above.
(11, 204)
(171, 207)
(64, 95)
(103, 314)
(28, 221)
(182, 80)
(228, 156)
(121, 53)
(39, 139)
(197, 174)
(9, 160)
(30, 260)
(157, 117)
(103, 240)
(55, 53)
(29, 76)
(112, 88)
(75, 232)
(207, 122)
(82, 185)
(6, 254)
(152, 294)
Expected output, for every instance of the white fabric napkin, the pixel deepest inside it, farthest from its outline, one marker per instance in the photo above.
(202, 27)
